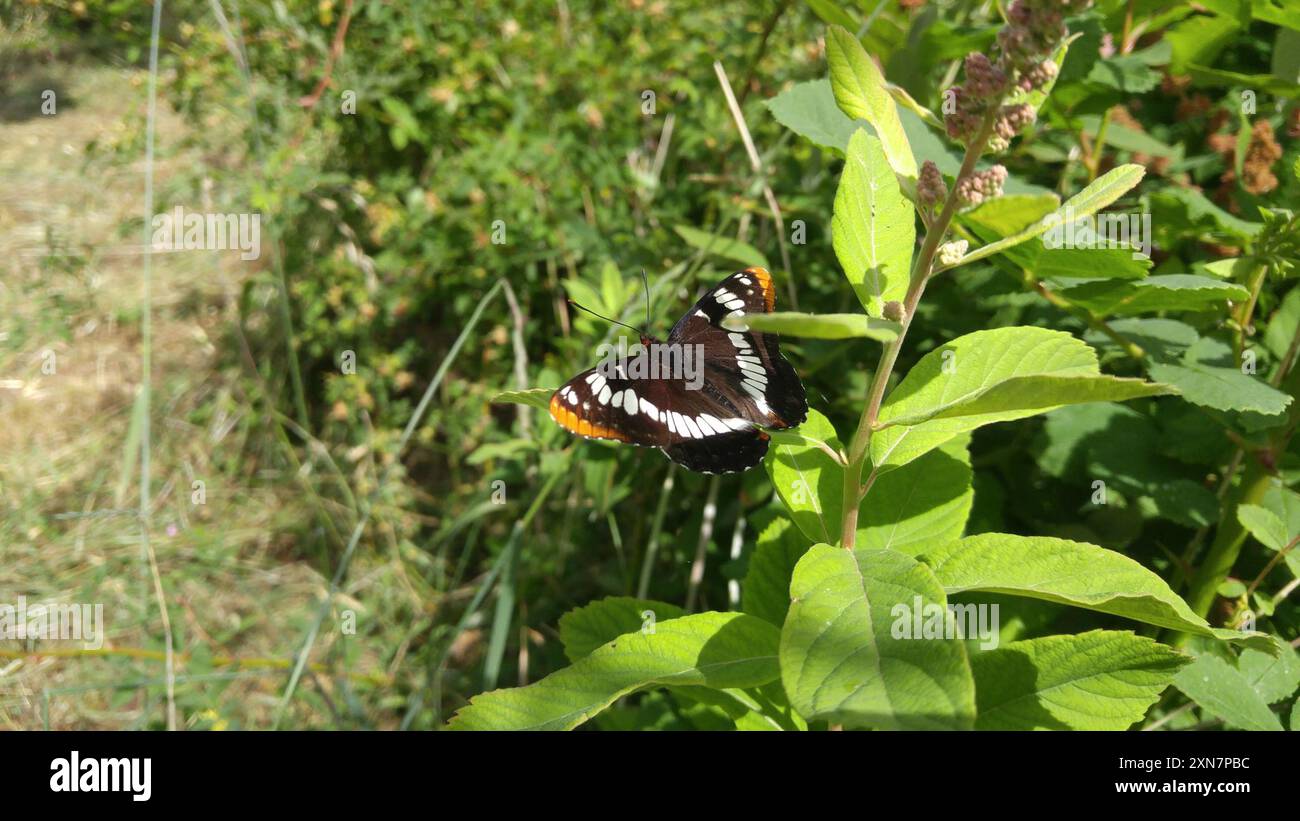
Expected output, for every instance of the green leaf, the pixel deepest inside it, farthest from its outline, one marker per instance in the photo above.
(1278, 12)
(1009, 213)
(536, 397)
(1167, 292)
(845, 656)
(1121, 447)
(718, 650)
(732, 249)
(1127, 73)
(1066, 572)
(817, 326)
(583, 293)
(991, 376)
(1100, 193)
(830, 12)
(1207, 375)
(915, 109)
(1183, 501)
(1026, 395)
(1055, 264)
(406, 126)
(1284, 505)
(742, 710)
(1286, 56)
(1128, 139)
(872, 227)
(1274, 675)
(862, 94)
(809, 110)
(1070, 434)
(509, 449)
(1163, 339)
(766, 590)
(808, 480)
(1180, 211)
(1003, 216)
(611, 285)
(923, 503)
(1225, 692)
(1283, 323)
(600, 622)
(1198, 39)
(1099, 680)
(1264, 525)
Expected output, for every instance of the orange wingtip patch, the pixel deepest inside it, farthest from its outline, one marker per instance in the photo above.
(573, 423)
(764, 279)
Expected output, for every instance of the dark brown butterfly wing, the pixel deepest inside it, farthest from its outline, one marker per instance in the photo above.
(745, 366)
(709, 424)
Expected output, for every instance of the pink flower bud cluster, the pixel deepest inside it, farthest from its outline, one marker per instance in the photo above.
(1012, 119)
(1038, 75)
(984, 80)
(930, 190)
(978, 187)
(1034, 28)
(985, 84)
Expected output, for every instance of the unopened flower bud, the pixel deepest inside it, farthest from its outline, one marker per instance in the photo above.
(1038, 75)
(981, 186)
(984, 80)
(1012, 119)
(893, 311)
(930, 190)
(950, 253)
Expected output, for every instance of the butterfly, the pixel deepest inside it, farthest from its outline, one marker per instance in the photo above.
(708, 417)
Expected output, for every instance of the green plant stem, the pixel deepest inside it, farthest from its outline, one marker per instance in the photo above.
(1272, 563)
(1230, 535)
(1095, 322)
(1246, 314)
(1228, 539)
(1255, 481)
(1093, 162)
(921, 269)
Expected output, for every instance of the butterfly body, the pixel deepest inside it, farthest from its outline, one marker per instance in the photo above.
(704, 395)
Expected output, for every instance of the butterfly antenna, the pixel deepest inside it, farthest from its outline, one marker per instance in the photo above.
(601, 316)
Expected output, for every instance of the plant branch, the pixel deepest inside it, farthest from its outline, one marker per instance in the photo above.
(921, 270)
(1272, 563)
(1245, 315)
(1095, 322)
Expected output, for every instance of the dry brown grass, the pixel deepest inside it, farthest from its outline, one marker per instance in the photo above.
(72, 286)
